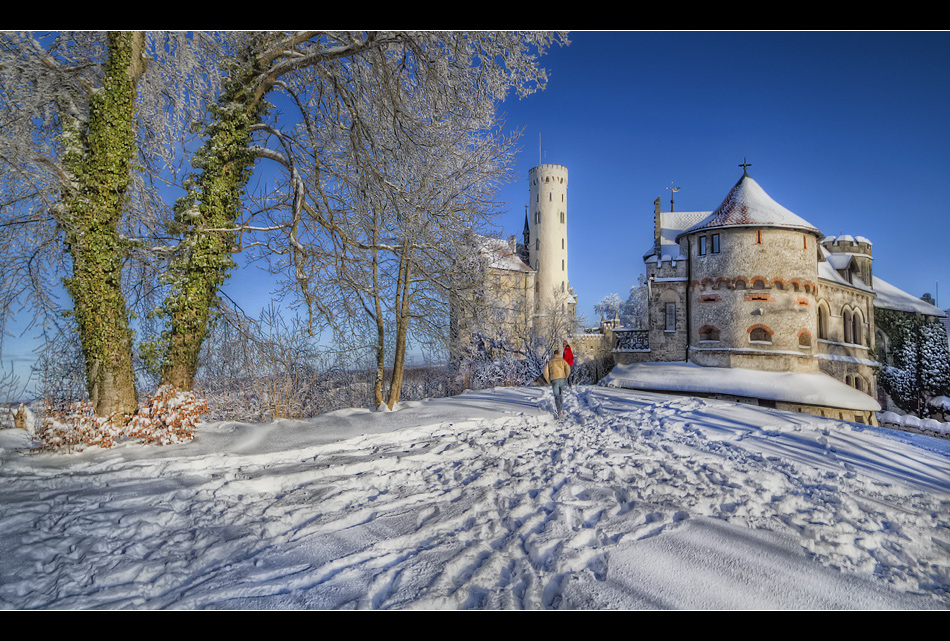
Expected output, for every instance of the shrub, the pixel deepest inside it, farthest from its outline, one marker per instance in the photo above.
(168, 416)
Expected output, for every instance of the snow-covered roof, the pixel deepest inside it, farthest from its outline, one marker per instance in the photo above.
(499, 254)
(746, 205)
(672, 223)
(891, 297)
(788, 387)
(854, 239)
(839, 261)
(828, 270)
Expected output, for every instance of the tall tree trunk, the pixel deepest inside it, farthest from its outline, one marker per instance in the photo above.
(402, 329)
(205, 260)
(380, 331)
(99, 157)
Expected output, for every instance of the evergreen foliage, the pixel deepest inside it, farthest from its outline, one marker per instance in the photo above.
(920, 358)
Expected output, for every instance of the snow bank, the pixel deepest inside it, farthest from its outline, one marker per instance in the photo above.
(485, 501)
(790, 387)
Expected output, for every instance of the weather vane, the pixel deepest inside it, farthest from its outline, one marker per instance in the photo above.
(673, 190)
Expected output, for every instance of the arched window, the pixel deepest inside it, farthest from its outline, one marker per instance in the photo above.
(884, 354)
(708, 333)
(822, 321)
(848, 325)
(857, 328)
(859, 383)
(760, 334)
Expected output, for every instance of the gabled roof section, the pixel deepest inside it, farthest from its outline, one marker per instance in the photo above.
(747, 205)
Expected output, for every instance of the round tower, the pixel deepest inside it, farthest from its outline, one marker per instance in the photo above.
(753, 285)
(547, 249)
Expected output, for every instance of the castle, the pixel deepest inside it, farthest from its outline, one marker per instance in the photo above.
(786, 314)
(748, 302)
(525, 286)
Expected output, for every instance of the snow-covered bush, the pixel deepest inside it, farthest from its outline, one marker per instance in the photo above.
(590, 372)
(920, 368)
(168, 416)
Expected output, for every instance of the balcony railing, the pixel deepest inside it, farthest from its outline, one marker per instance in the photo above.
(632, 340)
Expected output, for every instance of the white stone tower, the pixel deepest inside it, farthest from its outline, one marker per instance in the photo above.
(547, 221)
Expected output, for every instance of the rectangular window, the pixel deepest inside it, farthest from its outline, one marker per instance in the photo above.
(702, 245)
(671, 317)
(758, 236)
(715, 243)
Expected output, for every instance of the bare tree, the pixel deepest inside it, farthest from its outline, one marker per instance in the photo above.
(89, 120)
(633, 312)
(609, 306)
(395, 153)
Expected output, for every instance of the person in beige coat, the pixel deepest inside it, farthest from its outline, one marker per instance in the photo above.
(556, 372)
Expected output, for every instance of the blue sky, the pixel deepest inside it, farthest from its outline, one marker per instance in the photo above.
(849, 130)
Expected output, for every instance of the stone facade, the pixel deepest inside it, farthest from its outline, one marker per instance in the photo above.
(752, 285)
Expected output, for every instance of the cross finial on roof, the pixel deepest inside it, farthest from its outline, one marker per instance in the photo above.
(745, 166)
(673, 190)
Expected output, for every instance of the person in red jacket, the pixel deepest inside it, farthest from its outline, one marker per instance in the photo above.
(568, 354)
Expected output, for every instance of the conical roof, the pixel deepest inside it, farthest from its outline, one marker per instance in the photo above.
(747, 205)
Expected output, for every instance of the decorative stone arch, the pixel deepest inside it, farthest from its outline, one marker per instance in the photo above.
(758, 282)
(669, 296)
(778, 283)
(760, 333)
(796, 284)
(739, 283)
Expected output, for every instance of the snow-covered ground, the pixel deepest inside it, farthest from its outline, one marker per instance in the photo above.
(485, 501)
